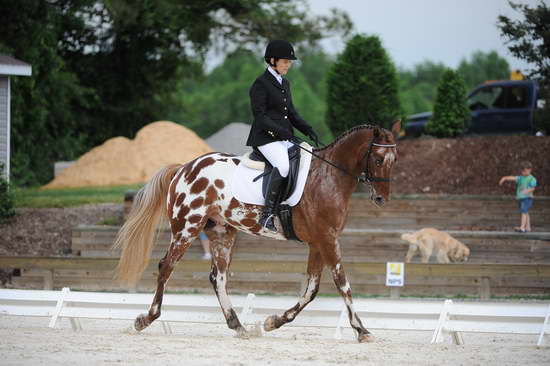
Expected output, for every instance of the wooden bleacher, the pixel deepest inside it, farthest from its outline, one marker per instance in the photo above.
(502, 262)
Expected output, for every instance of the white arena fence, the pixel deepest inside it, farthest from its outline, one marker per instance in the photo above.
(446, 319)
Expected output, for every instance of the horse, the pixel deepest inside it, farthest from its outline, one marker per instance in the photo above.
(197, 196)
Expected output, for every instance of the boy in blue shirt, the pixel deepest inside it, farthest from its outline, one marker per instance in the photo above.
(525, 186)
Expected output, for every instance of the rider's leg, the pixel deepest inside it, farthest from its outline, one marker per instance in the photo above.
(277, 154)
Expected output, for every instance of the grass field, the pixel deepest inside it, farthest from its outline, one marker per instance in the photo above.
(40, 198)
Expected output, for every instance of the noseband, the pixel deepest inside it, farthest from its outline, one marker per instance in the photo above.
(365, 177)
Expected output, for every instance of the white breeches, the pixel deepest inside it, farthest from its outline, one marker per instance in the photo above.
(277, 154)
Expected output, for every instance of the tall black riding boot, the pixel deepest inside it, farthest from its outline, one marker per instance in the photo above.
(267, 220)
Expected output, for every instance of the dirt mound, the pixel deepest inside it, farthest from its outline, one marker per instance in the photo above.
(469, 165)
(121, 161)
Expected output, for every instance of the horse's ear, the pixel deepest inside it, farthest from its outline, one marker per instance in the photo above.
(396, 128)
(376, 131)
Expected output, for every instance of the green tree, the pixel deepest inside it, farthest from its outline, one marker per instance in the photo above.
(144, 47)
(44, 107)
(210, 102)
(529, 39)
(6, 199)
(418, 86)
(104, 68)
(451, 113)
(362, 86)
(483, 66)
(314, 65)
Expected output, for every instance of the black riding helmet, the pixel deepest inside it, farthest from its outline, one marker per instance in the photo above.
(279, 49)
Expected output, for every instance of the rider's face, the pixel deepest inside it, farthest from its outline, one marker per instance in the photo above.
(283, 65)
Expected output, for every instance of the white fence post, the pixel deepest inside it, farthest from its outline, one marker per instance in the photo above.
(166, 327)
(438, 336)
(340, 324)
(247, 309)
(544, 326)
(59, 306)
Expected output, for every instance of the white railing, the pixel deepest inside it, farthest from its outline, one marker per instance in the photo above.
(446, 319)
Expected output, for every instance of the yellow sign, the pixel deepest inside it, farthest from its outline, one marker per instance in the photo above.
(395, 274)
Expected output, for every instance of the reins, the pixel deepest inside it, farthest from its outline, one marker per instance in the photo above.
(364, 177)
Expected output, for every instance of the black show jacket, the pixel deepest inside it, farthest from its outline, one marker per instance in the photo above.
(273, 111)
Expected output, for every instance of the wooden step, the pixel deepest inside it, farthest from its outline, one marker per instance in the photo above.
(358, 245)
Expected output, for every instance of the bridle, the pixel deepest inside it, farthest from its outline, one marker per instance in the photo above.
(364, 177)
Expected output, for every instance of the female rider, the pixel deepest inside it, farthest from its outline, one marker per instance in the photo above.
(274, 119)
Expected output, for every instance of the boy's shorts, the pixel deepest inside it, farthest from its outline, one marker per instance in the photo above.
(202, 236)
(525, 204)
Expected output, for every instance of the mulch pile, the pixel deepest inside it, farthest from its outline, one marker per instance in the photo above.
(120, 161)
(469, 165)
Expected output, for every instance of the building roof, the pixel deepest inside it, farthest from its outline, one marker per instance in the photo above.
(230, 139)
(13, 66)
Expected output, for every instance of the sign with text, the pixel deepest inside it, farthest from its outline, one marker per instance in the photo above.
(395, 273)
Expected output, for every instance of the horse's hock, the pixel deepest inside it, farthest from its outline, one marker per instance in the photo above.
(501, 263)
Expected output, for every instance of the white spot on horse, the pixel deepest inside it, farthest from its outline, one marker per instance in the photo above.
(389, 158)
(345, 288)
(176, 211)
(312, 284)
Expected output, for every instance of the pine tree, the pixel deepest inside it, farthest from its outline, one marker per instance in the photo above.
(362, 86)
(451, 113)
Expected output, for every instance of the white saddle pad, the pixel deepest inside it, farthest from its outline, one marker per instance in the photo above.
(247, 191)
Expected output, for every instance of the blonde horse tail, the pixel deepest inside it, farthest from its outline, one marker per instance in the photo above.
(136, 236)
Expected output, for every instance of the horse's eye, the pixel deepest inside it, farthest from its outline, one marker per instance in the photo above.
(379, 162)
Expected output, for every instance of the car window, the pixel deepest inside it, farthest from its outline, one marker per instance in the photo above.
(499, 97)
(517, 97)
(486, 98)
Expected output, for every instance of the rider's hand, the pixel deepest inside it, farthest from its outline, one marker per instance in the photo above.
(313, 136)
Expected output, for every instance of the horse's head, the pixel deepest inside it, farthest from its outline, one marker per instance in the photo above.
(380, 158)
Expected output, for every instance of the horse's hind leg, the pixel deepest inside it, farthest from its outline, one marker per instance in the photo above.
(222, 239)
(166, 266)
(314, 271)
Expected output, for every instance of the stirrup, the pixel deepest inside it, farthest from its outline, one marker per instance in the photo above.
(269, 223)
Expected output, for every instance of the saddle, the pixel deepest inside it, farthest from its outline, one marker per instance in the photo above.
(256, 160)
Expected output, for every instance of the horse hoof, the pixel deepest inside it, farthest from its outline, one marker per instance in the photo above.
(141, 322)
(271, 323)
(366, 338)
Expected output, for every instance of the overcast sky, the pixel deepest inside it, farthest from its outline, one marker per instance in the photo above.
(438, 30)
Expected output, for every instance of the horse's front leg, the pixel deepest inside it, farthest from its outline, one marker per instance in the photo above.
(314, 270)
(332, 258)
(222, 239)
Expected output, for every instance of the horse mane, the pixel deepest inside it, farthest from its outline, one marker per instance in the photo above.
(344, 135)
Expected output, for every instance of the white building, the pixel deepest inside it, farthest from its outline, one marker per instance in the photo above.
(9, 66)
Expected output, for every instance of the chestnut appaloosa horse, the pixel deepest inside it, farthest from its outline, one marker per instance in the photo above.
(197, 196)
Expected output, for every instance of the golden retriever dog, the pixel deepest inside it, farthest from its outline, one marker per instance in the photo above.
(432, 241)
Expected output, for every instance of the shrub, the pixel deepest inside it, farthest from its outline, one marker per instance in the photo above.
(6, 199)
(451, 114)
(362, 86)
